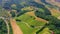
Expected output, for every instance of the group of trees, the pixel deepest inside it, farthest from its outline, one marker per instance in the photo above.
(42, 15)
(13, 6)
(54, 23)
(3, 27)
(13, 13)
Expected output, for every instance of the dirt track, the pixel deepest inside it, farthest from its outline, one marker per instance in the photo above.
(15, 28)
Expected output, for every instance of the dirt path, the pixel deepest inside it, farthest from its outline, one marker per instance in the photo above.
(16, 29)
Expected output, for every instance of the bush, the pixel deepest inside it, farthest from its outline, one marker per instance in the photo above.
(3, 27)
(13, 13)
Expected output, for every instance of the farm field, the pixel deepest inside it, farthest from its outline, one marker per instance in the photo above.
(28, 24)
(29, 17)
(45, 31)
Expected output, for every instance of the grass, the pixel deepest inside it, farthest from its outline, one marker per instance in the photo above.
(45, 31)
(26, 22)
(55, 13)
(29, 8)
(41, 9)
(30, 20)
(29, 23)
(25, 28)
(10, 29)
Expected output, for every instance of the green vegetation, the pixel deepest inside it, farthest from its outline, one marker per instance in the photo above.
(42, 14)
(10, 29)
(13, 14)
(24, 10)
(53, 24)
(45, 31)
(21, 12)
(4, 13)
(28, 24)
(13, 6)
(3, 27)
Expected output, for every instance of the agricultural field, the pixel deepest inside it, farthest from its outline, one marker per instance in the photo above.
(29, 17)
(28, 24)
(45, 31)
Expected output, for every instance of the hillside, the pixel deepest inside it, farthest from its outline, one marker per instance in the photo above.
(30, 16)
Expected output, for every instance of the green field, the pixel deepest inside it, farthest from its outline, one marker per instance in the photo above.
(45, 31)
(28, 24)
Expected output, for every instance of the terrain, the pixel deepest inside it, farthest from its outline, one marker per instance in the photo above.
(29, 17)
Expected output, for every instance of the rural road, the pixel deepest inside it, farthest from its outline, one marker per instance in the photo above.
(15, 28)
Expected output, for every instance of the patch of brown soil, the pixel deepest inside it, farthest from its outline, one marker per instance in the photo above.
(37, 18)
(58, 17)
(15, 28)
(54, 12)
(53, 2)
